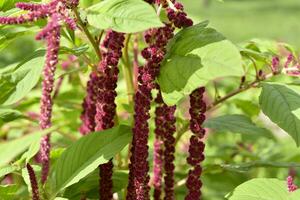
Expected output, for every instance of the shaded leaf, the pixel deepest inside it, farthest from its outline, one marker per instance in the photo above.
(84, 156)
(282, 105)
(236, 124)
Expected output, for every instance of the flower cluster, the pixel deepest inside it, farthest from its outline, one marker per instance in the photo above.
(290, 184)
(33, 182)
(57, 11)
(105, 100)
(196, 148)
(177, 15)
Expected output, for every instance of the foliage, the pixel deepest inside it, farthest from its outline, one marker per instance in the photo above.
(252, 94)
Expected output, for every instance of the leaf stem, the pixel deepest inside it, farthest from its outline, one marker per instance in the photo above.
(87, 33)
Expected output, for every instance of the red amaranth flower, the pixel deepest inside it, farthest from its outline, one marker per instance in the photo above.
(196, 148)
(33, 182)
(105, 101)
(290, 184)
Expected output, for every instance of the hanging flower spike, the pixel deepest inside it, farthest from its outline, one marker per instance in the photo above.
(33, 182)
(169, 143)
(53, 42)
(291, 186)
(154, 54)
(196, 148)
(105, 101)
(158, 149)
(89, 108)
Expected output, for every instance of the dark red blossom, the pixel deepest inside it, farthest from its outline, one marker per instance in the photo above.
(105, 100)
(165, 128)
(33, 182)
(178, 16)
(154, 54)
(196, 148)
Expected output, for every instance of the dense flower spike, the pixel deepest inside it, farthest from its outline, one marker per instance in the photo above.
(33, 182)
(196, 148)
(290, 184)
(154, 54)
(105, 101)
(158, 150)
(57, 11)
(165, 127)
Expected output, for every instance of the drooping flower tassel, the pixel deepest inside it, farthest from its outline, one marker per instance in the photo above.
(105, 101)
(196, 148)
(33, 183)
(53, 41)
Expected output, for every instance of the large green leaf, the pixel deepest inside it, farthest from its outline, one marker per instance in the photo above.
(127, 16)
(281, 103)
(263, 189)
(16, 83)
(11, 149)
(236, 124)
(84, 156)
(195, 56)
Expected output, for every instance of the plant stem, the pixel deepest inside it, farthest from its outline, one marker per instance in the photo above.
(223, 99)
(127, 70)
(87, 33)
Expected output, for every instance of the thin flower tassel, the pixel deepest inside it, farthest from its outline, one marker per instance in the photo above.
(33, 183)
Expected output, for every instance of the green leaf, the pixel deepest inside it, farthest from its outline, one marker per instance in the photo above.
(195, 56)
(248, 107)
(7, 170)
(7, 115)
(263, 189)
(84, 156)
(11, 149)
(236, 124)
(8, 192)
(282, 105)
(89, 186)
(18, 82)
(126, 16)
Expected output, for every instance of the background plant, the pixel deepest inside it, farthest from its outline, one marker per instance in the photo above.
(131, 92)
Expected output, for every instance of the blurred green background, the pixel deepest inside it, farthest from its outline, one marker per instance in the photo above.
(241, 20)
